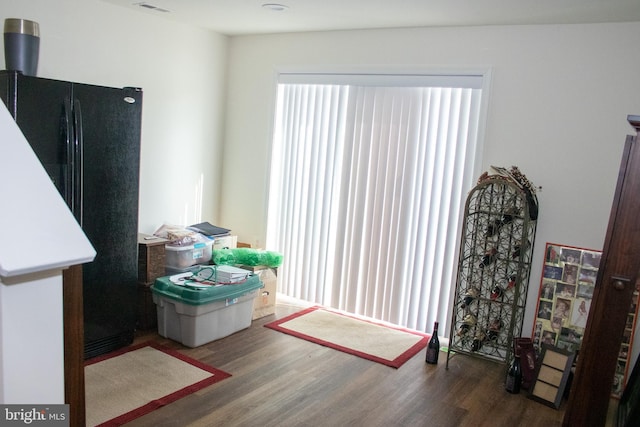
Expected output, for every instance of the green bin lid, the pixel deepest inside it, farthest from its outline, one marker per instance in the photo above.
(199, 295)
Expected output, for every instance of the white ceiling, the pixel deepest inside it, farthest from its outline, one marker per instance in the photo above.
(236, 17)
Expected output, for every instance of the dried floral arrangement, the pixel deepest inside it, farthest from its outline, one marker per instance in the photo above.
(517, 177)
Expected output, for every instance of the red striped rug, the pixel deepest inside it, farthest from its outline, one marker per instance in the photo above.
(378, 342)
(129, 383)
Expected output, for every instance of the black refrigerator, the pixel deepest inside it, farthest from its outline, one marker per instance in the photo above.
(88, 140)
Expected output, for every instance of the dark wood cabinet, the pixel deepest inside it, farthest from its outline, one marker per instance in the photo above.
(73, 345)
(615, 283)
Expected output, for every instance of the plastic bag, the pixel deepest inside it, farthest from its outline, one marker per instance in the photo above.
(179, 236)
(247, 256)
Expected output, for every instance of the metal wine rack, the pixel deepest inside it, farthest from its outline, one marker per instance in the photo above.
(493, 269)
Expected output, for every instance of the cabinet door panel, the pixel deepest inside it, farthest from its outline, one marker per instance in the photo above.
(615, 283)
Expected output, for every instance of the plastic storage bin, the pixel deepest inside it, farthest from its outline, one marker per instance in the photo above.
(196, 316)
(185, 256)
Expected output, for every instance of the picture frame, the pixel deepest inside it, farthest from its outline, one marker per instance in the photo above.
(566, 290)
(567, 285)
(551, 376)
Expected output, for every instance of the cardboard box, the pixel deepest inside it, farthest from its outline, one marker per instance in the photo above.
(265, 303)
(225, 242)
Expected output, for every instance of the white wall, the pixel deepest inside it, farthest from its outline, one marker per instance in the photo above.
(559, 101)
(31, 339)
(181, 70)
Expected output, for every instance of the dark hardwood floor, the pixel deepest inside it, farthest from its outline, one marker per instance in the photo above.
(279, 380)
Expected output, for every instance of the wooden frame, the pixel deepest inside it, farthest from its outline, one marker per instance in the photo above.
(552, 373)
(568, 280)
(593, 379)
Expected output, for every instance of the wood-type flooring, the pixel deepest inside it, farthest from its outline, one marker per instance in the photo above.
(280, 380)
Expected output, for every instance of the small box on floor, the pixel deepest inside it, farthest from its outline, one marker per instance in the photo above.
(195, 315)
(265, 302)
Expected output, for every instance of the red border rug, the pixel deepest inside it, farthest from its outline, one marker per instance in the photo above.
(216, 376)
(395, 363)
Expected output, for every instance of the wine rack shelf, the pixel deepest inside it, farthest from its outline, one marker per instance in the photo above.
(494, 265)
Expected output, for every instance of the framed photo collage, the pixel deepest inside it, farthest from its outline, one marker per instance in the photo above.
(566, 290)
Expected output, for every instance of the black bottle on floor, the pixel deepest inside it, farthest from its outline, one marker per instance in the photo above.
(433, 348)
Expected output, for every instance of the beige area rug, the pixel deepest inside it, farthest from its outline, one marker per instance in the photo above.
(391, 346)
(129, 383)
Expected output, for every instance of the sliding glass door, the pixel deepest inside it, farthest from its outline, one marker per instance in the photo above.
(368, 180)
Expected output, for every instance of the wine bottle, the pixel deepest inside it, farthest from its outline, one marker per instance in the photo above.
(496, 293)
(488, 258)
(468, 321)
(470, 295)
(493, 331)
(433, 348)
(478, 340)
(514, 375)
(518, 249)
(497, 224)
(492, 229)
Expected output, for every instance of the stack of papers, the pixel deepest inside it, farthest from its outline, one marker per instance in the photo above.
(230, 274)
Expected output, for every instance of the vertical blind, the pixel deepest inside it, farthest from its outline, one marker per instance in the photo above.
(367, 186)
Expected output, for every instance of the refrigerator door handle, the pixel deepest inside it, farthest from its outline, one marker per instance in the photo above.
(69, 157)
(78, 170)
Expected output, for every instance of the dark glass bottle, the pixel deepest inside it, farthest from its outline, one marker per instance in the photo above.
(492, 229)
(433, 348)
(478, 341)
(497, 224)
(518, 249)
(488, 258)
(514, 375)
(493, 331)
(496, 293)
(468, 321)
(469, 296)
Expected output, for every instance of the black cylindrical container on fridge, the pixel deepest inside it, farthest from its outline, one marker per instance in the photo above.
(21, 45)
